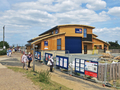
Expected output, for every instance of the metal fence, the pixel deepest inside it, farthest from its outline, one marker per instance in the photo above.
(112, 71)
(114, 50)
(106, 72)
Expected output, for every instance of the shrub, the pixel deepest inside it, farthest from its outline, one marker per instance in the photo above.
(3, 52)
(44, 76)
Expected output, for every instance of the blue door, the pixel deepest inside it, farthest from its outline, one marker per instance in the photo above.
(73, 44)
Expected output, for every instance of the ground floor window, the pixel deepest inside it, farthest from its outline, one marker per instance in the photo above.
(98, 46)
(58, 44)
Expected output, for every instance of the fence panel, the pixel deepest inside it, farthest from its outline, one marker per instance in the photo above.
(112, 72)
(114, 50)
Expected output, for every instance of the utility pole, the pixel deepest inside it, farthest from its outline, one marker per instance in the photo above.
(3, 36)
(33, 57)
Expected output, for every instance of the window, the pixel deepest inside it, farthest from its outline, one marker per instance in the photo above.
(85, 33)
(52, 32)
(56, 31)
(58, 44)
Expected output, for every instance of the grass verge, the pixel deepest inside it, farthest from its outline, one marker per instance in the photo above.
(41, 79)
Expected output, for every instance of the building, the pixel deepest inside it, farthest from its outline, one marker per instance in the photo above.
(72, 38)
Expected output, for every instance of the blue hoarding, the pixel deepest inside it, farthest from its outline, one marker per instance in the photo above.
(86, 67)
(62, 62)
(78, 30)
(79, 65)
(48, 56)
(37, 55)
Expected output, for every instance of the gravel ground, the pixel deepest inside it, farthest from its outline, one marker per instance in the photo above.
(10, 80)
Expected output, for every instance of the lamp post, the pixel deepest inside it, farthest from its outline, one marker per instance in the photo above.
(3, 36)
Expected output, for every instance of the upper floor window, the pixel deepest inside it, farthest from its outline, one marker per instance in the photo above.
(52, 32)
(85, 33)
(58, 44)
(56, 31)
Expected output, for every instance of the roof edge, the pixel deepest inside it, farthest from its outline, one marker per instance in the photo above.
(101, 40)
(76, 25)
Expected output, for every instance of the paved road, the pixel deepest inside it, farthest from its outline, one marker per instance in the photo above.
(14, 61)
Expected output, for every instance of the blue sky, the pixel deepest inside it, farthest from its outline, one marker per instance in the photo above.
(26, 19)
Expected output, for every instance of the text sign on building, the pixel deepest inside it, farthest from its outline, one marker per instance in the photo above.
(91, 68)
(79, 65)
(45, 44)
(62, 61)
(78, 30)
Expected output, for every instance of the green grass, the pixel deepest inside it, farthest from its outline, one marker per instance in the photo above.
(41, 79)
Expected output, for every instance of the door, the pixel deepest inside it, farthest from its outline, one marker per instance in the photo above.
(73, 44)
(85, 49)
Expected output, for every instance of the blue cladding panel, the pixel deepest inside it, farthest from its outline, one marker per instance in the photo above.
(73, 44)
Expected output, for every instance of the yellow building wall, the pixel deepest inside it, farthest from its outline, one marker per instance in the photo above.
(89, 46)
(97, 42)
(52, 43)
(70, 31)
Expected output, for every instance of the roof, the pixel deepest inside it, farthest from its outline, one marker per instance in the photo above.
(56, 27)
(47, 37)
(102, 41)
(29, 44)
(76, 25)
(87, 42)
(95, 35)
(31, 40)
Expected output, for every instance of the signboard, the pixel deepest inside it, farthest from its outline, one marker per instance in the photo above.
(36, 54)
(91, 68)
(78, 30)
(48, 56)
(79, 65)
(45, 44)
(62, 62)
(39, 55)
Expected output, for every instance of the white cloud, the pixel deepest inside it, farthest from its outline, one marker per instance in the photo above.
(108, 34)
(114, 11)
(96, 4)
(116, 29)
(41, 15)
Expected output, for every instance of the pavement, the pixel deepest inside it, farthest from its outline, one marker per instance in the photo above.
(10, 80)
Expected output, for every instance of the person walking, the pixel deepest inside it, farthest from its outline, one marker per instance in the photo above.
(30, 59)
(24, 60)
(10, 52)
(7, 52)
(51, 64)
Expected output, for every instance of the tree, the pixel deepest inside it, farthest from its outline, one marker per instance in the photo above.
(5, 44)
(114, 45)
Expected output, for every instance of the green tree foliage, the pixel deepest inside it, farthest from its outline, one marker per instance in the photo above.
(5, 44)
(3, 52)
(114, 45)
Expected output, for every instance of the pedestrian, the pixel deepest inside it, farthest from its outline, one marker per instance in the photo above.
(10, 52)
(30, 59)
(51, 64)
(7, 52)
(24, 60)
